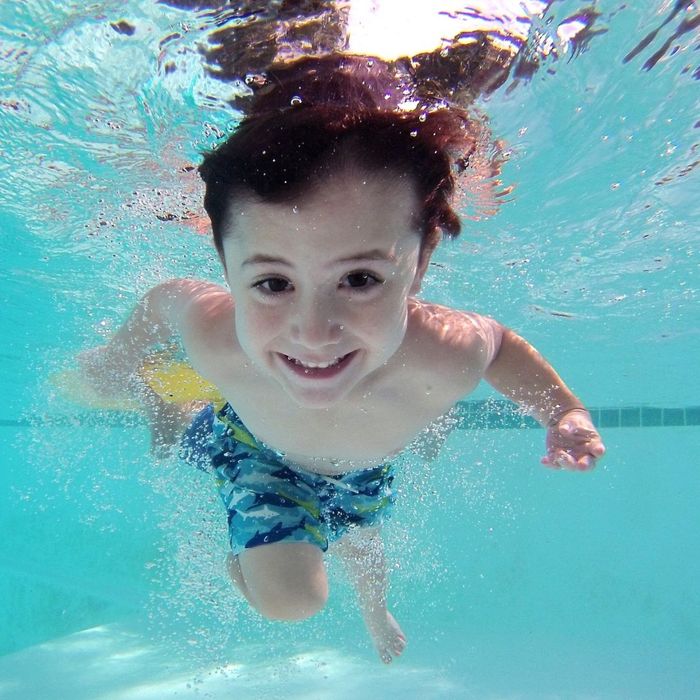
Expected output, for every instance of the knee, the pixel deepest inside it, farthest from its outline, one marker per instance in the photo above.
(290, 605)
(285, 581)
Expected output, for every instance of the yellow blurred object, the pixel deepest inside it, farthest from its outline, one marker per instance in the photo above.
(177, 382)
(173, 380)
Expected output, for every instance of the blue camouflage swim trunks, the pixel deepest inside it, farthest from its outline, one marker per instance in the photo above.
(269, 500)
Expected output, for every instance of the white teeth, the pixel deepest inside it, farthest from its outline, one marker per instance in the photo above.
(314, 365)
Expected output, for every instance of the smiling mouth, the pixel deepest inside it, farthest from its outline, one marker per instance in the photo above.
(317, 370)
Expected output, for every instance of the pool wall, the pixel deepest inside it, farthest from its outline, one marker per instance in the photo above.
(496, 560)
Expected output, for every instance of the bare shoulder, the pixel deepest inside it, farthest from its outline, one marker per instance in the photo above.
(207, 303)
(174, 296)
(201, 312)
(462, 338)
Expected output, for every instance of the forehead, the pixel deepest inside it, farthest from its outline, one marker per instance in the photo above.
(346, 211)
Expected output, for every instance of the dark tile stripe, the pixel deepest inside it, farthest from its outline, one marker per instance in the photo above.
(503, 414)
(471, 415)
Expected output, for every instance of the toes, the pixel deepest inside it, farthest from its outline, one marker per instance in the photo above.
(393, 649)
(398, 645)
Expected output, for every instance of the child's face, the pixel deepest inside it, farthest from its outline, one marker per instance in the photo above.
(321, 285)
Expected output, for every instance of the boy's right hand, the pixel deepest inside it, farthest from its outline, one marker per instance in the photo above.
(166, 421)
(102, 374)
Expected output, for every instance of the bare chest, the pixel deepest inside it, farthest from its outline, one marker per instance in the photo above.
(358, 433)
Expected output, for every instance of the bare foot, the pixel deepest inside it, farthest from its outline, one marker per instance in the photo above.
(362, 552)
(388, 637)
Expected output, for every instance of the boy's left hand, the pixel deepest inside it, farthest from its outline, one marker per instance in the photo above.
(573, 442)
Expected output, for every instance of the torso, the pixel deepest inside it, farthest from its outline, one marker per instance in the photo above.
(442, 358)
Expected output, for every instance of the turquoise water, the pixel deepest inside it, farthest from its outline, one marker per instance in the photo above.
(510, 581)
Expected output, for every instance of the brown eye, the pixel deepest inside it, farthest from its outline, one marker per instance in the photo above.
(274, 285)
(359, 280)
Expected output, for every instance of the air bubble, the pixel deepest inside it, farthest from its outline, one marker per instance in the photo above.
(296, 100)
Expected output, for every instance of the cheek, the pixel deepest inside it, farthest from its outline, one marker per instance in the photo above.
(257, 323)
(383, 319)
(396, 311)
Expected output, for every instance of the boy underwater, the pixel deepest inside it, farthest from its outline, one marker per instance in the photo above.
(326, 204)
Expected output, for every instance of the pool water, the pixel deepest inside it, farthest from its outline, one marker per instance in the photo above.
(510, 580)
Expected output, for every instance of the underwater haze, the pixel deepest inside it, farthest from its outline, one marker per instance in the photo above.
(510, 580)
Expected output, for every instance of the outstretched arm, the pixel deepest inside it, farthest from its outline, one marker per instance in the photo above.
(113, 369)
(520, 373)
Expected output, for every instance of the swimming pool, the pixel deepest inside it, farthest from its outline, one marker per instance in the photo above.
(510, 580)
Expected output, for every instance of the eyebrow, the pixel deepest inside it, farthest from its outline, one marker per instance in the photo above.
(375, 255)
(264, 260)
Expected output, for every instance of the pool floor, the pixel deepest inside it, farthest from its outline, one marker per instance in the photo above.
(117, 662)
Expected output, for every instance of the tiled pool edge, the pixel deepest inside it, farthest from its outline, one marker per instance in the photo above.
(471, 415)
(504, 414)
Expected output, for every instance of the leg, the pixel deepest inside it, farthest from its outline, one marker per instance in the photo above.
(233, 567)
(273, 524)
(362, 552)
(282, 581)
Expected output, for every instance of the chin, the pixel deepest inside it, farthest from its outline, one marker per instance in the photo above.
(324, 391)
(315, 399)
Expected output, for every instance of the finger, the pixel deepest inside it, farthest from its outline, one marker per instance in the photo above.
(586, 463)
(566, 461)
(597, 449)
(549, 462)
(559, 460)
(587, 459)
(574, 443)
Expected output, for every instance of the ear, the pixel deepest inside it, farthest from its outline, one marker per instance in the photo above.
(426, 251)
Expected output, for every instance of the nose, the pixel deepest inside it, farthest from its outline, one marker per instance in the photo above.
(316, 321)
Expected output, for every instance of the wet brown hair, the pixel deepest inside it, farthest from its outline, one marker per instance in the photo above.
(316, 116)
